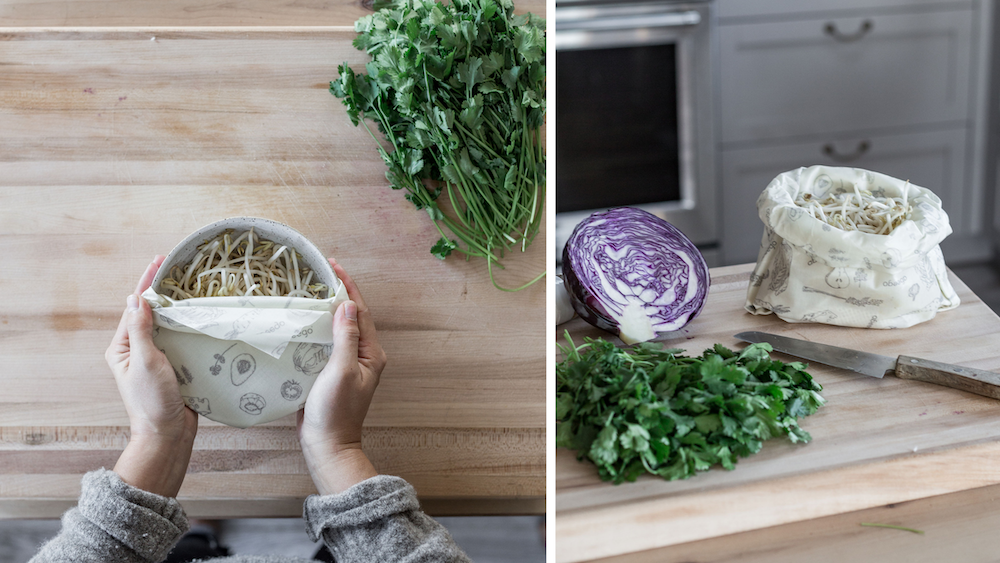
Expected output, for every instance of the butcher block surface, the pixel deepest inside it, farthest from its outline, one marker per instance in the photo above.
(876, 443)
(118, 138)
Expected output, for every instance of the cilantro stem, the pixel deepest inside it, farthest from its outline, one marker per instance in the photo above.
(462, 129)
(496, 285)
(455, 206)
(905, 529)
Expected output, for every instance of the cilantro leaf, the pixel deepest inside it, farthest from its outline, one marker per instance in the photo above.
(457, 92)
(529, 43)
(443, 247)
(653, 410)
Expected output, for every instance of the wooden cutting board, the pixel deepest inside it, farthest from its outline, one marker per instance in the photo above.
(117, 141)
(876, 442)
(195, 13)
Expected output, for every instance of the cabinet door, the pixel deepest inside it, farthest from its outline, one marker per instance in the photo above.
(933, 160)
(784, 8)
(789, 78)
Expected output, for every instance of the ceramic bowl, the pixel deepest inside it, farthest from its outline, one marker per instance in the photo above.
(279, 233)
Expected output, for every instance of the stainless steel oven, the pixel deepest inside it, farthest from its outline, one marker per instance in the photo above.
(633, 114)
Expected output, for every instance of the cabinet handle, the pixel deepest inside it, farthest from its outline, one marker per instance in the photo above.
(831, 30)
(831, 151)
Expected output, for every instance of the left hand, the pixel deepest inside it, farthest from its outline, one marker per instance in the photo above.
(330, 425)
(163, 428)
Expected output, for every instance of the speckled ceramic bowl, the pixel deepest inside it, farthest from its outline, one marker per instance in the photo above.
(183, 253)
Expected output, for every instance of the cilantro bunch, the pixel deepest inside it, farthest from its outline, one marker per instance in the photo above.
(458, 91)
(653, 410)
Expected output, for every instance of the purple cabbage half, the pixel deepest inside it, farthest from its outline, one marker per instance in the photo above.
(633, 274)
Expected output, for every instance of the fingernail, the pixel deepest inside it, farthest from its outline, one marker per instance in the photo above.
(132, 302)
(351, 310)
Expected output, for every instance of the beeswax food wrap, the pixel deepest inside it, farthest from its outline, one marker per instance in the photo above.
(244, 361)
(810, 271)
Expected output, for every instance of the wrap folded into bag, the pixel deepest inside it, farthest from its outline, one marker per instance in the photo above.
(809, 271)
(245, 360)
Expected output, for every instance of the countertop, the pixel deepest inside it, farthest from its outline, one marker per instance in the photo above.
(125, 126)
(883, 451)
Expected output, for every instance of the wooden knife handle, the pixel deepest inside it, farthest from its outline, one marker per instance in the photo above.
(986, 383)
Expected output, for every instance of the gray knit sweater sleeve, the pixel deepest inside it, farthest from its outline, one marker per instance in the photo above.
(376, 520)
(379, 519)
(115, 523)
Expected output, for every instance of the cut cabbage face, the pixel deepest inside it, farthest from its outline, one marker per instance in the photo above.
(633, 274)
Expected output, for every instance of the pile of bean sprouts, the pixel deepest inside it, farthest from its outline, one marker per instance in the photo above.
(859, 210)
(226, 266)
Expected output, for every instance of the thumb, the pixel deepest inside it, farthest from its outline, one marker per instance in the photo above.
(140, 329)
(345, 338)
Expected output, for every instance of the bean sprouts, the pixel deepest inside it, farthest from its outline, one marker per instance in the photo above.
(246, 265)
(859, 210)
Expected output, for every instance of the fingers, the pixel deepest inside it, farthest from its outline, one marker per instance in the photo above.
(140, 331)
(119, 342)
(345, 339)
(147, 277)
(349, 285)
(365, 322)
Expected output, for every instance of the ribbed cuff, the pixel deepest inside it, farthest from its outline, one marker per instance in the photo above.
(147, 523)
(369, 501)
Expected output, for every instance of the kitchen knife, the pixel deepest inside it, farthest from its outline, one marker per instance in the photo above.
(986, 383)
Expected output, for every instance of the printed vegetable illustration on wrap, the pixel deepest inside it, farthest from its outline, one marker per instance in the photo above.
(850, 247)
(633, 274)
(458, 91)
(243, 310)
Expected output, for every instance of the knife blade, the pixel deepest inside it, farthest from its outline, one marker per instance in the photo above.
(981, 382)
(874, 365)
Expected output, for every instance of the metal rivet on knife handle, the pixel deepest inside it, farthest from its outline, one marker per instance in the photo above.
(980, 382)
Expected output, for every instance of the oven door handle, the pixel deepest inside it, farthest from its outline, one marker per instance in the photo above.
(597, 28)
(637, 21)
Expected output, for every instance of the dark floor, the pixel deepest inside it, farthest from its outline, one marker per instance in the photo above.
(486, 539)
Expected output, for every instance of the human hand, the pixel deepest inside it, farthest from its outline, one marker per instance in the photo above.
(162, 427)
(330, 424)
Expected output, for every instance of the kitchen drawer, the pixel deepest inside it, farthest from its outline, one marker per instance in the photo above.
(934, 160)
(771, 8)
(779, 80)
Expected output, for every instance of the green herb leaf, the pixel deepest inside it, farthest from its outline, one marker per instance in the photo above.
(653, 410)
(470, 73)
(443, 247)
(509, 77)
(529, 43)
(457, 92)
(435, 214)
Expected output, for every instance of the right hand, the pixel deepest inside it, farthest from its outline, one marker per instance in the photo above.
(330, 425)
(146, 381)
(162, 427)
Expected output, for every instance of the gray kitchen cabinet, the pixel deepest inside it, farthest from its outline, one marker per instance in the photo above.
(749, 9)
(794, 78)
(895, 86)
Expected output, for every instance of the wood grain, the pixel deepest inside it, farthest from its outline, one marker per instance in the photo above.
(956, 527)
(876, 442)
(69, 13)
(124, 126)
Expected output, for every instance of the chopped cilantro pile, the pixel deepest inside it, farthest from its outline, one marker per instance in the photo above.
(654, 410)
